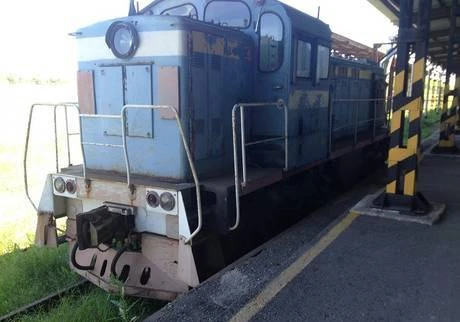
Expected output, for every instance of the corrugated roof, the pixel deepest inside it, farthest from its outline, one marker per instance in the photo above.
(443, 14)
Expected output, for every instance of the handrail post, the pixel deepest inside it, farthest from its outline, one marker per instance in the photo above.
(67, 134)
(331, 113)
(286, 135)
(56, 149)
(375, 121)
(280, 105)
(83, 157)
(26, 149)
(235, 166)
(125, 150)
(187, 152)
(243, 145)
(356, 126)
(54, 106)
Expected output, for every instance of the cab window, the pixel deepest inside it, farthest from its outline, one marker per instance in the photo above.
(234, 14)
(271, 42)
(303, 59)
(322, 69)
(185, 10)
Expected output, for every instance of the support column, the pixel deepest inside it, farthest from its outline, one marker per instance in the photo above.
(401, 191)
(456, 104)
(449, 117)
(428, 92)
(440, 91)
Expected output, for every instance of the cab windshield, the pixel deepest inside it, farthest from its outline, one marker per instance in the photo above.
(234, 14)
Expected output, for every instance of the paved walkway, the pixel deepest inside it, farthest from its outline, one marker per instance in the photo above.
(336, 266)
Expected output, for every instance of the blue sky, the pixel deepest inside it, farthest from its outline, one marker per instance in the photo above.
(35, 39)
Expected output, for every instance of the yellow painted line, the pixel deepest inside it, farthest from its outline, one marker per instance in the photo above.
(277, 284)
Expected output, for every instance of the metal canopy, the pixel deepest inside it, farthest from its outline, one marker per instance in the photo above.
(442, 39)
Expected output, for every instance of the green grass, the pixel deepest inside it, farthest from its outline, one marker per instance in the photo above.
(29, 275)
(97, 305)
(430, 123)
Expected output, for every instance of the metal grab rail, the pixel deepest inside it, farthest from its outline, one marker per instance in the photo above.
(65, 105)
(187, 151)
(280, 105)
(96, 116)
(356, 122)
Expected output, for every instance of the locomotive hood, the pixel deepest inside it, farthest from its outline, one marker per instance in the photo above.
(132, 38)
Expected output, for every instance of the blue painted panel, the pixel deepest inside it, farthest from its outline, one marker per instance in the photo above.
(96, 130)
(200, 105)
(109, 90)
(217, 103)
(162, 156)
(138, 90)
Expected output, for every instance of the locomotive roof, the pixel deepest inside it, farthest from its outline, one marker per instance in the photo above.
(304, 22)
(300, 20)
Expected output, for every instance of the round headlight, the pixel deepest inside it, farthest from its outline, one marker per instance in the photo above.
(70, 186)
(59, 184)
(153, 199)
(167, 201)
(123, 39)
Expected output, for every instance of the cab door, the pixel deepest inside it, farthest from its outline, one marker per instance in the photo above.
(274, 56)
(272, 84)
(309, 97)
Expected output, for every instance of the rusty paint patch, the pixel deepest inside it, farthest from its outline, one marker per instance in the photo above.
(168, 90)
(309, 99)
(86, 101)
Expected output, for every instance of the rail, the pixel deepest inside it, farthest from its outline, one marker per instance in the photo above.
(241, 107)
(356, 123)
(46, 301)
(187, 151)
(54, 106)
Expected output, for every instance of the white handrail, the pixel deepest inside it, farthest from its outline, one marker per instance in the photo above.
(26, 148)
(187, 151)
(279, 104)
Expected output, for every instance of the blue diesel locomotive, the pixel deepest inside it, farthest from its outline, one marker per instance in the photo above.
(198, 118)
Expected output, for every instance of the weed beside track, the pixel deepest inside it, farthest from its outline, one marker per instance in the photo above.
(96, 305)
(28, 275)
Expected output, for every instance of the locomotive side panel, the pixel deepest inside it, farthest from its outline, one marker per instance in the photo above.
(221, 77)
(357, 98)
(293, 63)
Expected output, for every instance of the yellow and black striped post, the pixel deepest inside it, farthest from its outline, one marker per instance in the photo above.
(456, 105)
(449, 116)
(403, 156)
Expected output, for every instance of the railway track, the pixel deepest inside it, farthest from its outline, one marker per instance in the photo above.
(45, 302)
